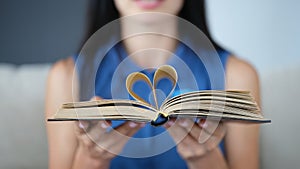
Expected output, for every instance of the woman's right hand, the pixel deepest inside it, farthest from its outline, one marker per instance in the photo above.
(99, 144)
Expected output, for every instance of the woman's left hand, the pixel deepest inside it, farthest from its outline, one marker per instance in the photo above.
(195, 140)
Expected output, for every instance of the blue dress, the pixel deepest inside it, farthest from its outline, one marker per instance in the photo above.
(152, 147)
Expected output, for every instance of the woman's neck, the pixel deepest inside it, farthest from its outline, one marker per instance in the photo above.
(151, 44)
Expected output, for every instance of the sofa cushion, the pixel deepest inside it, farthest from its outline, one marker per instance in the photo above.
(280, 102)
(23, 141)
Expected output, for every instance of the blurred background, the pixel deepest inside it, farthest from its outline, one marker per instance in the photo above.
(36, 33)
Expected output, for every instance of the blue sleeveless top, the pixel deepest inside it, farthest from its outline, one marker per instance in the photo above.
(152, 147)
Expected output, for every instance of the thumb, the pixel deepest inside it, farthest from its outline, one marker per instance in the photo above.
(81, 127)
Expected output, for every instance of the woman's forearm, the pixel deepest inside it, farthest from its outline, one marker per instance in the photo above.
(212, 160)
(82, 160)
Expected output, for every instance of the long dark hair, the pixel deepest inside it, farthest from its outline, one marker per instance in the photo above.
(101, 12)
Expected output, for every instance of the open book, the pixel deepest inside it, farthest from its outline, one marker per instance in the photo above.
(209, 104)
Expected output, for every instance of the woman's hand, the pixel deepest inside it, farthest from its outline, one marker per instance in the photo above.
(195, 140)
(100, 144)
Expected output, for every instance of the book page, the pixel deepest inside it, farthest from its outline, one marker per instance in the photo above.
(218, 116)
(107, 112)
(164, 71)
(239, 95)
(213, 108)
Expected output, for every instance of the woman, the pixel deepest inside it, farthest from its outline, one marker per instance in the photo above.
(71, 147)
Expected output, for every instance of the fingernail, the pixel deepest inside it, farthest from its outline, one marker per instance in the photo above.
(82, 125)
(132, 124)
(95, 98)
(104, 125)
(203, 123)
(183, 123)
(170, 122)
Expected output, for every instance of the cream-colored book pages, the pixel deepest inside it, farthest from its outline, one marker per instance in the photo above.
(213, 108)
(217, 116)
(136, 119)
(220, 95)
(212, 99)
(164, 71)
(99, 103)
(132, 118)
(229, 93)
(216, 102)
(107, 112)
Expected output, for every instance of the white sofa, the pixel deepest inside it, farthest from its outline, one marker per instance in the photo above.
(280, 141)
(23, 141)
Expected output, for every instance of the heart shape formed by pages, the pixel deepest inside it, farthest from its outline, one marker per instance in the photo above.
(162, 72)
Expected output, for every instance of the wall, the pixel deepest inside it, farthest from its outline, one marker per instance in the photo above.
(264, 32)
(39, 31)
(267, 34)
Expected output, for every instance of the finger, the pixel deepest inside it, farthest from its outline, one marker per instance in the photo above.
(189, 148)
(90, 138)
(213, 139)
(125, 131)
(211, 133)
(97, 130)
(187, 145)
(211, 129)
(115, 140)
(220, 127)
(191, 127)
(84, 126)
(176, 131)
(96, 98)
(204, 130)
(192, 140)
(81, 126)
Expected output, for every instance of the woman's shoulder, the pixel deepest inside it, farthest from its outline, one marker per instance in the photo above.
(62, 69)
(239, 72)
(59, 85)
(61, 75)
